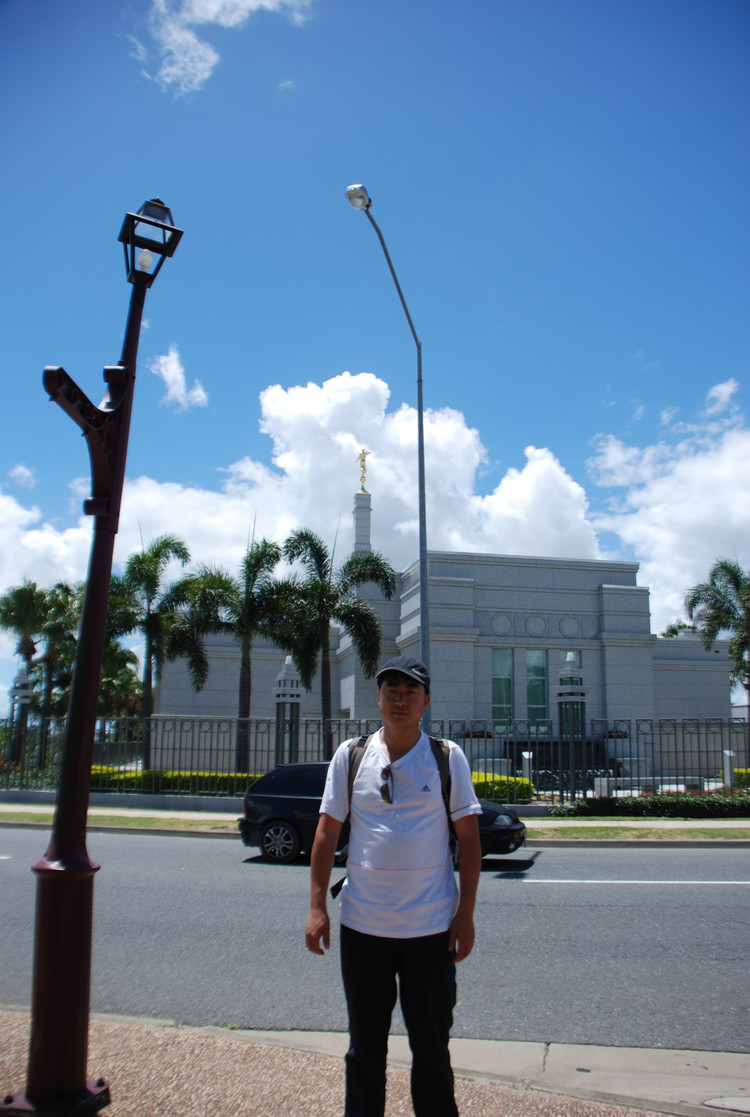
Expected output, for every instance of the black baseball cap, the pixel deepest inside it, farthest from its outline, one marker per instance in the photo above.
(405, 665)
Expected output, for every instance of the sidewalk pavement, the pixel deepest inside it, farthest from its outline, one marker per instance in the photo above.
(155, 1068)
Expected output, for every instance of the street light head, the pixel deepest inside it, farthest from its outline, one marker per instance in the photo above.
(150, 230)
(358, 197)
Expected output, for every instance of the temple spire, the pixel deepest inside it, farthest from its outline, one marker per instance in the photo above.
(362, 511)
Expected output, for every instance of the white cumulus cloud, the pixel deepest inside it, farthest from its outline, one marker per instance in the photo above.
(317, 432)
(719, 397)
(678, 506)
(674, 506)
(23, 476)
(187, 60)
(168, 368)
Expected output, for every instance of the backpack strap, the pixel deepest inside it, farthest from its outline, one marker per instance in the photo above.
(356, 753)
(441, 751)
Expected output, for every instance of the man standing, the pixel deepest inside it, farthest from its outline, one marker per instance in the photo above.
(402, 915)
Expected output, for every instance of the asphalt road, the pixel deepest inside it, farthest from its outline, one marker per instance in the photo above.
(644, 946)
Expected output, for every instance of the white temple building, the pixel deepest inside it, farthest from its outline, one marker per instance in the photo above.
(512, 638)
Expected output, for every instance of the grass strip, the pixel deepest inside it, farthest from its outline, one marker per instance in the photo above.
(130, 822)
(560, 833)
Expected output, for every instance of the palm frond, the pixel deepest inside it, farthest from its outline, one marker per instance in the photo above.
(722, 605)
(309, 549)
(367, 567)
(360, 622)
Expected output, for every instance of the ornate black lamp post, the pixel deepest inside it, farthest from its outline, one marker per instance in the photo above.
(56, 1078)
(359, 198)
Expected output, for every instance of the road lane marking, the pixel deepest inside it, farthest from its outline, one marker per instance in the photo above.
(555, 880)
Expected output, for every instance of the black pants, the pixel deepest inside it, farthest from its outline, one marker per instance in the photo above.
(427, 989)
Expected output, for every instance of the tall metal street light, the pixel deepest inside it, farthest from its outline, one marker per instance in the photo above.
(360, 199)
(56, 1083)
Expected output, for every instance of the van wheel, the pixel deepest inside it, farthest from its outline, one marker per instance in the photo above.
(279, 842)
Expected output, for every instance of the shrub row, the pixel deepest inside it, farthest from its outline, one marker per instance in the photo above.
(157, 781)
(505, 789)
(663, 806)
(508, 789)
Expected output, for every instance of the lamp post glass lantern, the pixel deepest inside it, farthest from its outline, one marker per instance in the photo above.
(56, 1078)
(358, 197)
(148, 237)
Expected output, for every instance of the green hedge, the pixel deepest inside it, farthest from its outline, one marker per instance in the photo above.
(161, 782)
(505, 789)
(662, 806)
(742, 777)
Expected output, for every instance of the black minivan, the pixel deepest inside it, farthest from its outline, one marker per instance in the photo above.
(281, 815)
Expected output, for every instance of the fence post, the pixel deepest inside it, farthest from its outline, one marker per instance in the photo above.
(728, 769)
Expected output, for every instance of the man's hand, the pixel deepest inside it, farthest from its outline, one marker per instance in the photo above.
(461, 939)
(318, 928)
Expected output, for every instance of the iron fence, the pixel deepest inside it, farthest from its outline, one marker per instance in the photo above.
(516, 760)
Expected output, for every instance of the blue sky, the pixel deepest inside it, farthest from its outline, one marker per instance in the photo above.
(563, 190)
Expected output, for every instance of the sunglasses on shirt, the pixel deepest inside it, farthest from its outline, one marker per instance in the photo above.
(385, 790)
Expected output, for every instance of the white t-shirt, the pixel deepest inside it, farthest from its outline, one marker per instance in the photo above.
(399, 875)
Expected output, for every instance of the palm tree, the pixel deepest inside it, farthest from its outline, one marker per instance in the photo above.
(722, 604)
(62, 603)
(120, 690)
(22, 612)
(60, 630)
(245, 606)
(329, 597)
(154, 612)
(140, 602)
